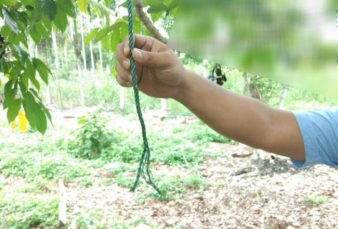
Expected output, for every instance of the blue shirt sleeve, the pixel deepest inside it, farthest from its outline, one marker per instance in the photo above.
(319, 129)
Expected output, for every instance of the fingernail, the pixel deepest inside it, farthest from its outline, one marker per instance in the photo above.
(138, 54)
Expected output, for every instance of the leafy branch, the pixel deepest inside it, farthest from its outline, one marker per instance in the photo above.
(147, 22)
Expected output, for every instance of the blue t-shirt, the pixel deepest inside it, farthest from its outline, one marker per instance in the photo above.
(319, 129)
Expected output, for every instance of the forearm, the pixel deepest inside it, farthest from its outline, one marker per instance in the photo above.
(242, 118)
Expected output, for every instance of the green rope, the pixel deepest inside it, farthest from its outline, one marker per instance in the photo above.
(143, 168)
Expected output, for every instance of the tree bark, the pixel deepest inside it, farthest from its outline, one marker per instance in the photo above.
(122, 98)
(83, 44)
(92, 57)
(101, 60)
(147, 22)
(77, 50)
(282, 98)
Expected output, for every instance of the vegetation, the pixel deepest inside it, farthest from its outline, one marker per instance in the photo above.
(41, 162)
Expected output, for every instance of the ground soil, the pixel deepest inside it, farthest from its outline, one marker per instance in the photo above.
(246, 189)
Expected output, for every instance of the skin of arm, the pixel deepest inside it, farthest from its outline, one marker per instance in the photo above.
(244, 119)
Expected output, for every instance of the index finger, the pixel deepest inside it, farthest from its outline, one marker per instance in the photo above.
(141, 42)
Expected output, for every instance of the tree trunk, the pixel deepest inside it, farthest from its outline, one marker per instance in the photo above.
(57, 66)
(250, 86)
(48, 97)
(83, 44)
(163, 104)
(282, 98)
(92, 57)
(122, 98)
(65, 54)
(82, 97)
(77, 50)
(101, 60)
(56, 53)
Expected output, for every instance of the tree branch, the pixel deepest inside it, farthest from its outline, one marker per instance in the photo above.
(147, 22)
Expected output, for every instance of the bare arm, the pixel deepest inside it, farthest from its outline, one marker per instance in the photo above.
(242, 118)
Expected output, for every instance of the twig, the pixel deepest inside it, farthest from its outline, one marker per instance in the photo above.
(147, 22)
(62, 205)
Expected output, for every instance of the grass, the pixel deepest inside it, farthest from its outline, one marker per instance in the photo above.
(40, 161)
(316, 200)
(25, 213)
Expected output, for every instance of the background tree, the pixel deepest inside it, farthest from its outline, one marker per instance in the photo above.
(43, 22)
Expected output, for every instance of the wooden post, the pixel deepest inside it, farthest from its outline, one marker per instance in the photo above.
(62, 205)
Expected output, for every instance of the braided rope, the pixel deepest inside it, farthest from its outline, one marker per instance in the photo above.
(143, 169)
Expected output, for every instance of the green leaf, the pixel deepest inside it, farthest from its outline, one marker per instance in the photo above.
(43, 30)
(115, 39)
(35, 82)
(91, 35)
(124, 33)
(42, 69)
(19, 53)
(36, 16)
(6, 32)
(36, 94)
(44, 109)
(13, 110)
(30, 68)
(21, 16)
(9, 92)
(49, 8)
(61, 21)
(36, 36)
(105, 31)
(41, 121)
(82, 4)
(157, 7)
(124, 4)
(47, 24)
(137, 29)
(24, 78)
(19, 38)
(102, 33)
(174, 4)
(67, 7)
(106, 42)
(10, 21)
(29, 107)
(156, 16)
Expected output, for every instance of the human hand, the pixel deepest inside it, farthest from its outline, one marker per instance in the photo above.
(159, 72)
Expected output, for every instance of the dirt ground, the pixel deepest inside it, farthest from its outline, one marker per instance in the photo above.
(271, 193)
(244, 192)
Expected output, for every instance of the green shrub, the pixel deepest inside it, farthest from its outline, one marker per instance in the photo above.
(91, 139)
(28, 213)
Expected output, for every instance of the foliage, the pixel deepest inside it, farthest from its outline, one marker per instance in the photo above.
(92, 138)
(28, 213)
(31, 168)
(316, 200)
(25, 21)
(173, 187)
(29, 23)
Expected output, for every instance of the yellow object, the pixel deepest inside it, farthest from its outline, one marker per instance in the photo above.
(22, 121)
(13, 125)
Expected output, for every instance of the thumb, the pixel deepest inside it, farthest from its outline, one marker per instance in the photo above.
(150, 59)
